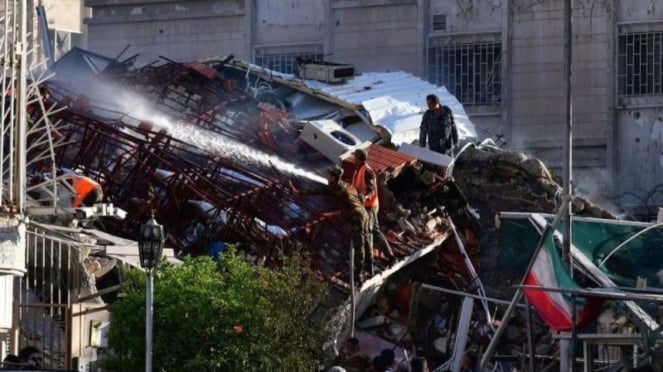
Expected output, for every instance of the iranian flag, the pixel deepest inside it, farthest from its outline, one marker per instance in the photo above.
(555, 308)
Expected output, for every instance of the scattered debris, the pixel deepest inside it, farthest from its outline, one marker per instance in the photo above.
(219, 149)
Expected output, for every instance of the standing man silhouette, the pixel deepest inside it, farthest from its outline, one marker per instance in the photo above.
(438, 128)
(365, 180)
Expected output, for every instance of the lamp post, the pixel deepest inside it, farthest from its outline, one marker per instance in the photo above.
(150, 246)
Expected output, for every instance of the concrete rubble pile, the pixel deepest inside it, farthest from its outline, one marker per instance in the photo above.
(189, 142)
(118, 128)
(410, 315)
(497, 180)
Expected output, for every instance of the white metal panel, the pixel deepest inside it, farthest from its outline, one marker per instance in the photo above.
(425, 155)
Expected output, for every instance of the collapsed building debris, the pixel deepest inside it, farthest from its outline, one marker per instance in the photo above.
(496, 180)
(142, 165)
(373, 106)
(213, 150)
(217, 182)
(216, 164)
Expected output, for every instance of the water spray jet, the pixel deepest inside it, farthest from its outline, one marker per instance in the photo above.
(213, 142)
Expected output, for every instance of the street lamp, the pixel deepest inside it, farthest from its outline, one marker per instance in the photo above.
(150, 246)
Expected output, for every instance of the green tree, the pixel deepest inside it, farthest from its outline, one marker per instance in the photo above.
(227, 317)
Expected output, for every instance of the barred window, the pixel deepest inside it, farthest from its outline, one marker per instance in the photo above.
(439, 22)
(640, 69)
(284, 58)
(470, 71)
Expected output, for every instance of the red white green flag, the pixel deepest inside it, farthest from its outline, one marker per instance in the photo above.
(555, 308)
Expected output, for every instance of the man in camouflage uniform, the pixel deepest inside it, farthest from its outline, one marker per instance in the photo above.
(365, 180)
(354, 213)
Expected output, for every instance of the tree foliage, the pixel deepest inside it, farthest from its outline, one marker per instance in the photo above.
(231, 316)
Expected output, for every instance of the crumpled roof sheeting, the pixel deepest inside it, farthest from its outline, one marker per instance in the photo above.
(394, 100)
(143, 167)
(144, 170)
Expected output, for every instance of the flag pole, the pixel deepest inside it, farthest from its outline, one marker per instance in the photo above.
(567, 355)
(519, 293)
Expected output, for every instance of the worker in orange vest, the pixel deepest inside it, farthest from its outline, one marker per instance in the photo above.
(353, 212)
(365, 181)
(87, 191)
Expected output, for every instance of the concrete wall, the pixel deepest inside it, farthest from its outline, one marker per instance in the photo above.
(289, 22)
(376, 36)
(467, 19)
(65, 15)
(180, 30)
(538, 82)
(468, 16)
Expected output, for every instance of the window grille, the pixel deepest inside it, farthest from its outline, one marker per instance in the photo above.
(640, 64)
(439, 22)
(470, 71)
(284, 59)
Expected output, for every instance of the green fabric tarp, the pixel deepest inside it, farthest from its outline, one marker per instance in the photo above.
(596, 238)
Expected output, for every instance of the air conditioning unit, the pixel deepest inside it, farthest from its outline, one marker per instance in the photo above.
(329, 72)
(329, 138)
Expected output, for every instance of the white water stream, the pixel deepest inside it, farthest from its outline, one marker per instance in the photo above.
(206, 140)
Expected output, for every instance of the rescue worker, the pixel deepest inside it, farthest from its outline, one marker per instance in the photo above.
(87, 192)
(438, 128)
(365, 181)
(352, 209)
(354, 213)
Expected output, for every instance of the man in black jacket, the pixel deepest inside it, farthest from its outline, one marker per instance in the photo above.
(438, 127)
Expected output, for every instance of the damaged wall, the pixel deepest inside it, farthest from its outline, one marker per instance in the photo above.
(640, 157)
(616, 109)
(639, 117)
(538, 83)
(167, 28)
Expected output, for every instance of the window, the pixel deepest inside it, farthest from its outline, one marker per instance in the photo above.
(640, 59)
(284, 58)
(439, 22)
(469, 70)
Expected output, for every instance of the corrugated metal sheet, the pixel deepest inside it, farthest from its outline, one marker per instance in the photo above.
(395, 101)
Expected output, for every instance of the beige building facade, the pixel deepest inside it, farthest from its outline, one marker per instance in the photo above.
(503, 59)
